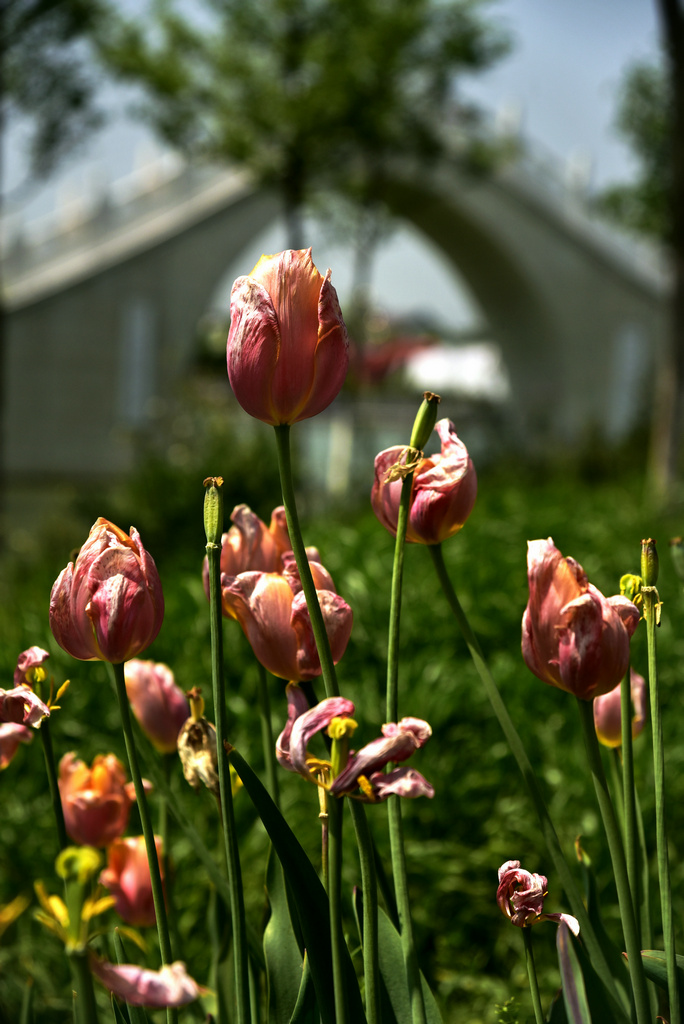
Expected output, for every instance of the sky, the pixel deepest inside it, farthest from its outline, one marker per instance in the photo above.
(560, 82)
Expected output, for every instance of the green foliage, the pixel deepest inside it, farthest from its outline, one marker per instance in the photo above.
(47, 75)
(303, 94)
(480, 815)
(644, 121)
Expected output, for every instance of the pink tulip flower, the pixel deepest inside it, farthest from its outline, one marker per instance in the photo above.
(127, 877)
(521, 895)
(158, 703)
(272, 611)
(96, 801)
(11, 735)
(572, 636)
(138, 986)
(608, 712)
(27, 661)
(287, 348)
(109, 604)
(442, 494)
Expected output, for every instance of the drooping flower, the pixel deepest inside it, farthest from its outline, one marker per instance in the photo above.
(521, 895)
(572, 636)
(11, 735)
(443, 491)
(127, 876)
(108, 605)
(22, 706)
(287, 348)
(271, 608)
(27, 662)
(608, 713)
(362, 770)
(96, 801)
(158, 703)
(138, 986)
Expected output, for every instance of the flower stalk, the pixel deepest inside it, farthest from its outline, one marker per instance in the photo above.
(594, 949)
(651, 607)
(617, 856)
(532, 976)
(146, 822)
(46, 739)
(282, 433)
(213, 521)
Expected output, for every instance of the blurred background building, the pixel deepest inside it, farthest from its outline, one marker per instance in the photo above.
(469, 259)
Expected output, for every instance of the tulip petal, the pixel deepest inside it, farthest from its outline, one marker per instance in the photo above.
(404, 782)
(253, 347)
(398, 742)
(307, 725)
(170, 986)
(11, 735)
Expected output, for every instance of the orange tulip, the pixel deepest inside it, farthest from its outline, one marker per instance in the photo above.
(96, 801)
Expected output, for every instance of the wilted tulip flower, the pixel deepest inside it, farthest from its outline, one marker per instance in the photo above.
(521, 897)
(158, 703)
(109, 604)
(363, 768)
(271, 608)
(127, 876)
(11, 735)
(442, 494)
(27, 663)
(287, 348)
(572, 636)
(608, 712)
(96, 801)
(138, 986)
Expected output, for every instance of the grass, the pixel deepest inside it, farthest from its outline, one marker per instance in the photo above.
(480, 815)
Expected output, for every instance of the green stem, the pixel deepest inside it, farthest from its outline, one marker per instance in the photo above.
(335, 813)
(86, 1005)
(237, 905)
(398, 853)
(46, 739)
(267, 740)
(629, 795)
(650, 607)
(532, 976)
(371, 969)
(166, 857)
(282, 433)
(146, 822)
(594, 949)
(617, 856)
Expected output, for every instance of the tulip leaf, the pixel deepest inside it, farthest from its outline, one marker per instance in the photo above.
(306, 1008)
(393, 974)
(310, 898)
(120, 1015)
(574, 992)
(655, 968)
(284, 973)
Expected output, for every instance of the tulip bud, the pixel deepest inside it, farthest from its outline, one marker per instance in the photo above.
(425, 421)
(649, 563)
(108, 605)
(157, 702)
(287, 347)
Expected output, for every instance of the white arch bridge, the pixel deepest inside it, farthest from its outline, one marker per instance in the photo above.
(105, 310)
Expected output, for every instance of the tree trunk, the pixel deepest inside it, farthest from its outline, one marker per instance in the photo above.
(669, 407)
